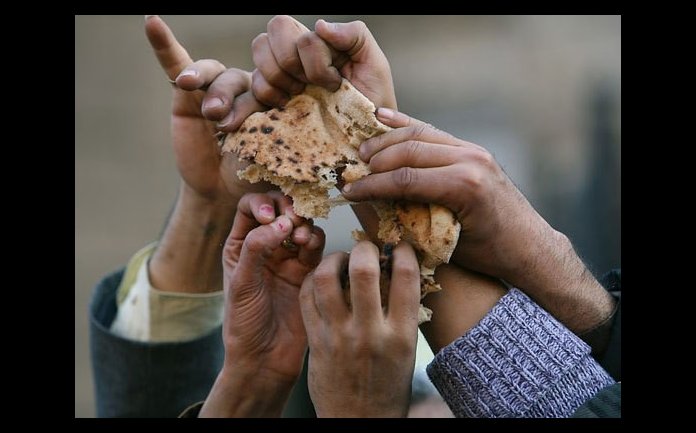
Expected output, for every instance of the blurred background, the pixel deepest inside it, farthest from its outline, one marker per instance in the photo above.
(543, 93)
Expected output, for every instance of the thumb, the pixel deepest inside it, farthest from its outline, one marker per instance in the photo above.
(171, 55)
(352, 38)
(397, 119)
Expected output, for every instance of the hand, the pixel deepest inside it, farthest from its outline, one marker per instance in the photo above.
(263, 334)
(206, 92)
(289, 56)
(187, 258)
(501, 236)
(361, 361)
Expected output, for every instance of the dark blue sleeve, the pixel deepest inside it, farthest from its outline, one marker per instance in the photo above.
(137, 379)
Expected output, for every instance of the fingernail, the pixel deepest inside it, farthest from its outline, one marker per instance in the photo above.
(282, 224)
(385, 113)
(188, 73)
(267, 210)
(347, 187)
(226, 121)
(147, 17)
(213, 103)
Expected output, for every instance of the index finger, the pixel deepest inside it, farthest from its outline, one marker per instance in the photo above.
(171, 55)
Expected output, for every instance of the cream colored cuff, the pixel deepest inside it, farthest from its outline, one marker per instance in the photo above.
(148, 314)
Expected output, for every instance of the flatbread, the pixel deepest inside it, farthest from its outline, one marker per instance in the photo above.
(304, 147)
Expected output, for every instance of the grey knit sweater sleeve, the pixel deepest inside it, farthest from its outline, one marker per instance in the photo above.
(517, 362)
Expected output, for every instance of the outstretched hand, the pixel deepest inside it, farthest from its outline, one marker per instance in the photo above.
(289, 55)
(361, 358)
(263, 333)
(502, 235)
(207, 98)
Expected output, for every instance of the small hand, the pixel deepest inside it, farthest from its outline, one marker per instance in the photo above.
(263, 333)
(263, 326)
(361, 360)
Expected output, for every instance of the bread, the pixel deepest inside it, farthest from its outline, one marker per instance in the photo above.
(304, 147)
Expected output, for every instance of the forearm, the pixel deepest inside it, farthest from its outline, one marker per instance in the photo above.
(559, 281)
(466, 297)
(236, 394)
(188, 257)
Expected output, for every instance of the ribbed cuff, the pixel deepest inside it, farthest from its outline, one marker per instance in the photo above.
(517, 362)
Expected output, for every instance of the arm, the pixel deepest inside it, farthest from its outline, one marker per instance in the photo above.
(417, 162)
(421, 163)
(134, 378)
(511, 360)
(188, 256)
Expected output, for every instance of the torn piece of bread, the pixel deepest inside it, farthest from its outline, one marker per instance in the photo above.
(304, 147)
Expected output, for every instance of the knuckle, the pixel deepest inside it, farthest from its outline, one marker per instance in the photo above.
(261, 38)
(406, 269)
(322, 278)
(418, 131)
(404, 178)
(363, 272)
(275, 77)
(474, 180)
(359, 26)
(219, 65)
(414, 149)
(278, 22)
(485, 158)
(289, 62)
(262, 92)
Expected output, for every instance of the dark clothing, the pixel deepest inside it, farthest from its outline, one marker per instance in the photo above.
(610, 360)
(606, 404)
(137, 379)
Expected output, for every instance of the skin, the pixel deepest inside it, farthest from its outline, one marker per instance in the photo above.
(502, 234)
(187, 258)
(419, 162)
(263, 333)
(381, 346)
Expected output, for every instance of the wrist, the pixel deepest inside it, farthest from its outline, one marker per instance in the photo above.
(564, 286)
(188, 257)
(238, 392)
(465, 299)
